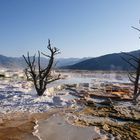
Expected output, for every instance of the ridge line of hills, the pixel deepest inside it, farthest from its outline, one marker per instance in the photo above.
(19, 63)
(105, 62)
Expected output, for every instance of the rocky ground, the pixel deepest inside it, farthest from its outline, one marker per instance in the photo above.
(39, 126)
(120, 123)
(104, 106)
(108, 122)
(20, 126)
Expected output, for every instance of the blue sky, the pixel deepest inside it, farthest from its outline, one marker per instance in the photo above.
(79, 28)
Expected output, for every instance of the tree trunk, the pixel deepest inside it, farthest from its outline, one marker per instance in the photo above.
(40, 91)
(136, 96)
(136, 84)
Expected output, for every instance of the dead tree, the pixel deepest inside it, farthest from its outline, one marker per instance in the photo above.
(134, 74)
(41, 76)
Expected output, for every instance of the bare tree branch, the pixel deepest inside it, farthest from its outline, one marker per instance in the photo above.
(135, 28)
(131, 64)
(134, 62)
(130, 55)
(41, 77)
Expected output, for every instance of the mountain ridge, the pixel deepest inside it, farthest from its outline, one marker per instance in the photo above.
(19, 63)
(105, 62)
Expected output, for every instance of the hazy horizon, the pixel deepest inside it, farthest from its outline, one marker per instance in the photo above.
(57, 57)
(78, 28)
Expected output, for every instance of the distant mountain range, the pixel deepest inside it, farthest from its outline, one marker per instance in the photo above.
(19, 63)
(105, 62)
(11, 62)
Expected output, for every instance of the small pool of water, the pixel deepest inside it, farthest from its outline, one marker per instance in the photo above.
(56, 128)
